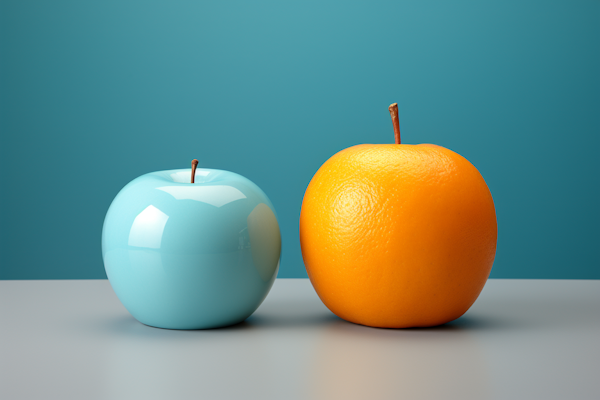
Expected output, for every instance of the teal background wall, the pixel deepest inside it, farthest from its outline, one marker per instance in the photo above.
(96, 93)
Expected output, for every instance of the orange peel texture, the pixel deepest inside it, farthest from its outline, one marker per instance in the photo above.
(398, 236)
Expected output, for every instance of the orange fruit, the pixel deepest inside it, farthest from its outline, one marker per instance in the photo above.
(397, 235)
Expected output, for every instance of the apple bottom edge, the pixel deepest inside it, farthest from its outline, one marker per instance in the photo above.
(192, 327)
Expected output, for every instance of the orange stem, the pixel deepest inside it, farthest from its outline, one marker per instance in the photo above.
(394, 113)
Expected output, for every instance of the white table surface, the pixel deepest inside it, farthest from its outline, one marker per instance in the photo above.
(523, 339)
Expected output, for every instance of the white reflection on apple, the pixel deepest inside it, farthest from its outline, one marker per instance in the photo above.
(217, 195)
(147, 229)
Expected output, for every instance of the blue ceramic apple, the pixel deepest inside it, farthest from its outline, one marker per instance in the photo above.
(185, 255)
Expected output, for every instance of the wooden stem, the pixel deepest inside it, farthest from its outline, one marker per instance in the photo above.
(194, 165)
(394, 113)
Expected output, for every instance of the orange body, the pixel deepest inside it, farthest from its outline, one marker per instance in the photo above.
(398, 236)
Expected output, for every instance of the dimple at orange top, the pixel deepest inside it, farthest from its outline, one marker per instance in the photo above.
(397, 235)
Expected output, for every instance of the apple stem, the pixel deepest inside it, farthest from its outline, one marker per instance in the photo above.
(194, 165)
(394, 113)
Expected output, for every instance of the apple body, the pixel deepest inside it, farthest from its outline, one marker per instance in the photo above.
(183, 255)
